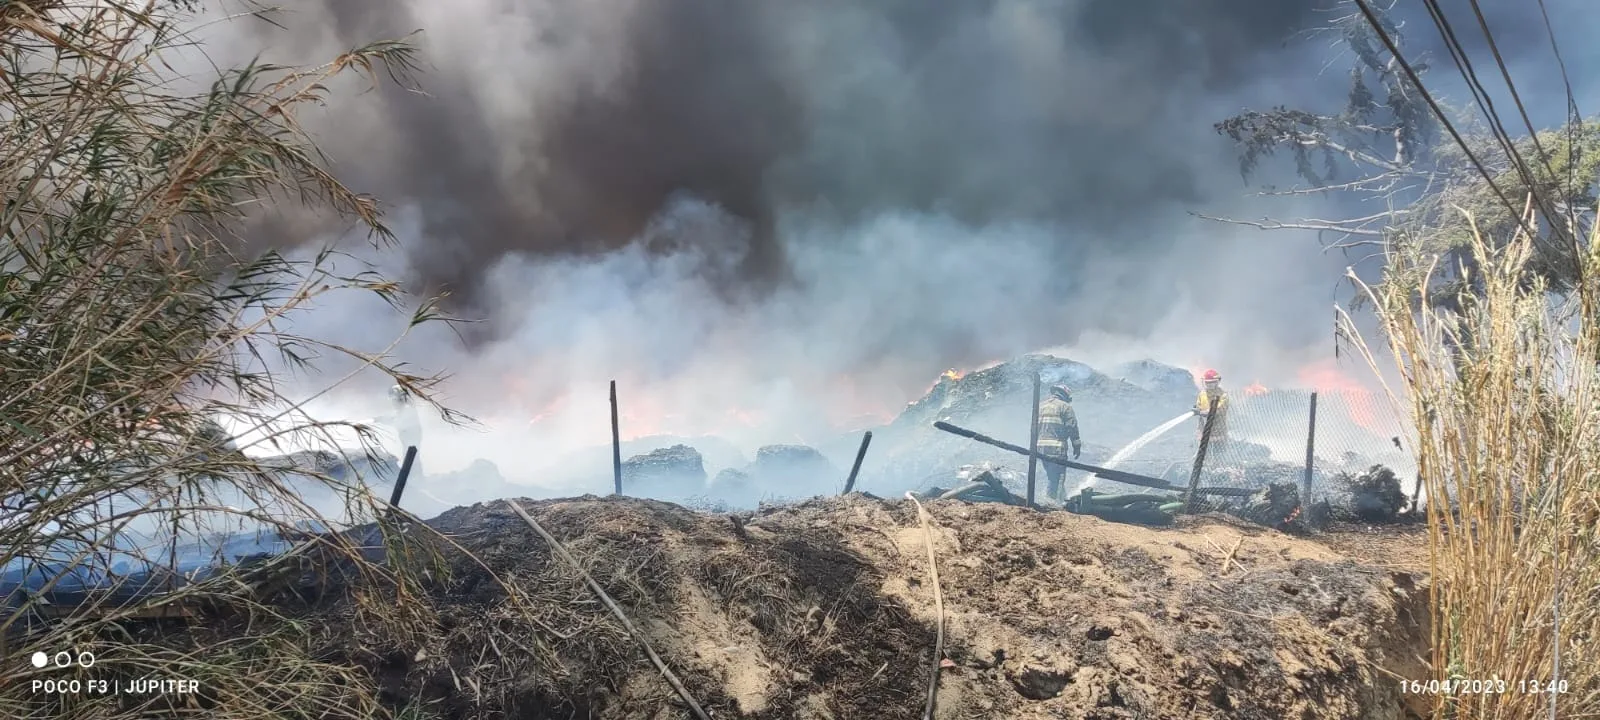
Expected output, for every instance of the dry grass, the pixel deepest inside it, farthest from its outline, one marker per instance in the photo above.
(518, 630)
(1505, 397)
(130, 321)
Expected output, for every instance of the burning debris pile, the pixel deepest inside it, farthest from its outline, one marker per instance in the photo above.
(1262, 454)
(1113, 409)
(998, 401)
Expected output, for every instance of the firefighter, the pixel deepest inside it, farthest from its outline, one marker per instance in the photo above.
(1058, 426)
(1211, 387)
(406, 424)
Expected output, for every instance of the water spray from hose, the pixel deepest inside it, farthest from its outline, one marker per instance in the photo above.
(1133, 447)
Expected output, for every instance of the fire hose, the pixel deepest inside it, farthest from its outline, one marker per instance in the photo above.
(1120, 476)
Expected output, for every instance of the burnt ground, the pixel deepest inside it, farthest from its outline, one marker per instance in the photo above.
(826, 610)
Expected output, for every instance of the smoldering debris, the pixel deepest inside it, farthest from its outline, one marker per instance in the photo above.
(1371, 496)
(1156, 377)
(1256, 481)
(1276, 505)
(678, 461)
(792, 465)
(779, 472)
(671, 473)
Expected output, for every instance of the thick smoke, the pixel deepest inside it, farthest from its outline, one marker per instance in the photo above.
(559, 128)
(772, 220)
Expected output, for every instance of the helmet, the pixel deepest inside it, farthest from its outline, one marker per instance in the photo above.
(1211, 376)
(399, 394)
(1061, 391)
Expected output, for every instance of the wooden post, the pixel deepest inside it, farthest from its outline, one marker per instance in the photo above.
(850, 483)
(1311, 449)
(1200, 457)
(616, 442)
(1033, 439)
(400, 480)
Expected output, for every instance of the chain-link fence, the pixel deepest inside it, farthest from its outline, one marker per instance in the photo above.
(1307, 438)
(1329, 432)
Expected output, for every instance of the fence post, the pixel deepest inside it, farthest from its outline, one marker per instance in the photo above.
(1033, 439)
(850, 483)
(1311, 449)
(1200, 457)
(400, 479)
(616, 441)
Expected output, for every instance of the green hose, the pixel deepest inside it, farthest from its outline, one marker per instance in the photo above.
(1097, 499)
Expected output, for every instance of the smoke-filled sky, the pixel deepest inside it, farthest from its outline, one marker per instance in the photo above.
(768, 219)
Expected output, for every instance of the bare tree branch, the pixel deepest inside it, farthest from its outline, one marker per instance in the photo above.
(1357, 155)
(1377, 183)
(1318, 225)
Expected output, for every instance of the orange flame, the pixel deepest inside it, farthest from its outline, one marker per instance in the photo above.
(1255, 388)
(951, 375)
(1327, 378)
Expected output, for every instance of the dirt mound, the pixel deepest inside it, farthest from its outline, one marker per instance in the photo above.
(826, 610)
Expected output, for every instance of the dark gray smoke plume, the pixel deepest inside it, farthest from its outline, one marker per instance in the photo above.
(985, 111)
(769, 219)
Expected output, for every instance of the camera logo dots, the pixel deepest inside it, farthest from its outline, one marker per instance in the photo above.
(63, 659)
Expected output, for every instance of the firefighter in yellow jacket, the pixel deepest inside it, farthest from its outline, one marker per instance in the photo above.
(1211, 387)
(1058, 428)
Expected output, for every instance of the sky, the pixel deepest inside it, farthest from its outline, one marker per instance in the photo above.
(773, 221)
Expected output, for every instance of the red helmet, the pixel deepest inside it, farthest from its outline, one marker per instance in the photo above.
(1211, 376)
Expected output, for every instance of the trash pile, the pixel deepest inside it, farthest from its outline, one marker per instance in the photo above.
(779, 472)
(1373, 496)
(676, 470)
(1113, 408)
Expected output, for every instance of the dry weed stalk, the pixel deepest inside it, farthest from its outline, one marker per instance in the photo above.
(130, 322)
(938, 603)
(639, 637)
(1504, 393)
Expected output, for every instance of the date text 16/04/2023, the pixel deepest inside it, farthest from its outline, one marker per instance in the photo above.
(1492, 686)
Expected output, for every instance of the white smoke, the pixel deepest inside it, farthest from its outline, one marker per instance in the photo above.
(879, 303)
(861, 332)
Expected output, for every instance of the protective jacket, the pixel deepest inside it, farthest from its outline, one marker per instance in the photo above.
(1202, 405)
(1058, 429)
